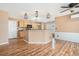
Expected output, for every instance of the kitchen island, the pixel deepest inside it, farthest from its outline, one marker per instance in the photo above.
(38, 36)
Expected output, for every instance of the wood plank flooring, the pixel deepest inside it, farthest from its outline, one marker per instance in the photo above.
(21, 48)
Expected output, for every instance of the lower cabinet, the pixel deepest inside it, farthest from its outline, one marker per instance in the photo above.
(21, 34)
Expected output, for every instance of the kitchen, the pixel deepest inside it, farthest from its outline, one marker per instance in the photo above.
(44, 29)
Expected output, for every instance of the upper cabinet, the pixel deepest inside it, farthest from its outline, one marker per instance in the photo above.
(24, 23)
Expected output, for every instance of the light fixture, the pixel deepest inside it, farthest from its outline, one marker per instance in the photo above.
(48, 16)
(36, 14)
(37, 17)
(25, 16)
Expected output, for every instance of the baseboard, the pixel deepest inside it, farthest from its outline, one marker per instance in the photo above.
(12, 38)
(39, 42)
(4, 43)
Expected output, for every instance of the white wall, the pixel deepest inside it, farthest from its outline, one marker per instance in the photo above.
(3, 27)
(68, 36)
(51, 26)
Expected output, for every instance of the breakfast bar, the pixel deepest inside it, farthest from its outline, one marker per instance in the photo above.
(38, 36)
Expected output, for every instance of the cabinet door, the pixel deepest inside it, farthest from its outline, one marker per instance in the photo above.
(21, 23)
(21, 34)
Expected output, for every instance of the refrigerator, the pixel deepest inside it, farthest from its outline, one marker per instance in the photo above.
(12, 29)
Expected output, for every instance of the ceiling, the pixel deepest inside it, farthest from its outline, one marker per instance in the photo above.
(18, 9)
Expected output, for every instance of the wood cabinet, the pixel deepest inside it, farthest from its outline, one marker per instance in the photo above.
(21, 34)
(24, 23)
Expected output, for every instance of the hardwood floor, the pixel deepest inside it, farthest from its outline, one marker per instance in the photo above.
(21, 48)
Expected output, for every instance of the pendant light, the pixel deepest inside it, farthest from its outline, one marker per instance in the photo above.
(48, 16)
(36, 14)
(25, 16)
